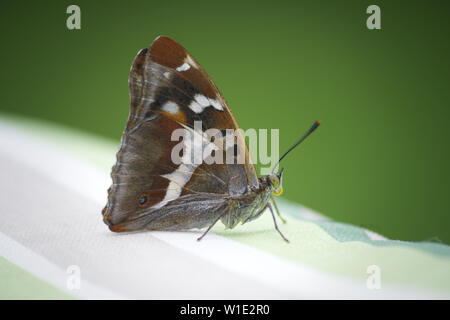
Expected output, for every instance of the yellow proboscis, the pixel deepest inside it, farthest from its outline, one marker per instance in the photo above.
(278, 192)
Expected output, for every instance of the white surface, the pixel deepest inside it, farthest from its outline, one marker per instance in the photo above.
(51, 219)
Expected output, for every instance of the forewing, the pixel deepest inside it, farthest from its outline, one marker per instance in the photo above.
(174, 84)
(169, 90)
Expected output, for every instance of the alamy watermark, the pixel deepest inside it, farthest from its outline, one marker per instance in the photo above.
(73, 21)
(226, 146)
(73, 281)
(374, 20)
(373, 282)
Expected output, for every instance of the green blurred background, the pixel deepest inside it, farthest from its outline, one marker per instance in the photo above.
(380, 159)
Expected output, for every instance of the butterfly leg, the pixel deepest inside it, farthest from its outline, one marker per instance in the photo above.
(275, 222)
(212, 225)
(276, 209)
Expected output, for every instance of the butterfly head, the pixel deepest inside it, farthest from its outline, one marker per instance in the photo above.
(275, 181)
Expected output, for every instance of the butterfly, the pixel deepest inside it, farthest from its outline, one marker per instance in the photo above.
(169, 90)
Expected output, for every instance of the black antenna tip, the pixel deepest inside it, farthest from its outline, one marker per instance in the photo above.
(315, 125)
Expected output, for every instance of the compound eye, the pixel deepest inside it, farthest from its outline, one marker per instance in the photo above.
(274, 181)
(276, 184)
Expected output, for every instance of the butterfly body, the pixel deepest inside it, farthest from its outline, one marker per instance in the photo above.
(248, 207)
(170, 91)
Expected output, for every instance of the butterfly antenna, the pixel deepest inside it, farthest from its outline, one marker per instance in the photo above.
(311, 130)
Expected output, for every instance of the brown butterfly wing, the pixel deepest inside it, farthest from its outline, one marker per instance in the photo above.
(169, 90)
